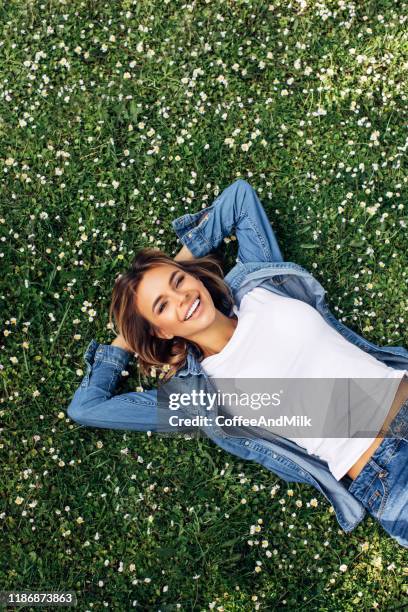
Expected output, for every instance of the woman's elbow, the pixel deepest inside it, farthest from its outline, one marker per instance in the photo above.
(76, 413)
(84, 403)
(76, 410)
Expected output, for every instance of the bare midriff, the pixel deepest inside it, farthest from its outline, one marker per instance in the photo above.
(400, 397)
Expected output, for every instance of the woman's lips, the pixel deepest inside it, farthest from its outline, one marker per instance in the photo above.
(197, 311)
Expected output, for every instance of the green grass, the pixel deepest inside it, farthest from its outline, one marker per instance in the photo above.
(103, 143)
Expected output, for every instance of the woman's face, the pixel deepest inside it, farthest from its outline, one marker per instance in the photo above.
(167, 295)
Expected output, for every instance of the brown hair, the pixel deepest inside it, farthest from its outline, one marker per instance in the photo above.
(154, 352)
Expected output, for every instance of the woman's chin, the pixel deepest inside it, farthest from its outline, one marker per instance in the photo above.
(201, 326)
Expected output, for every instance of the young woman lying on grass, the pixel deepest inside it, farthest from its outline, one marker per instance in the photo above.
(266, 319)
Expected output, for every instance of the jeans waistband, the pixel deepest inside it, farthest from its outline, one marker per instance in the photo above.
(398, 428)
(377, 464)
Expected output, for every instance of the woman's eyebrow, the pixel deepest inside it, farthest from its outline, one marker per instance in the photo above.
(172, 275)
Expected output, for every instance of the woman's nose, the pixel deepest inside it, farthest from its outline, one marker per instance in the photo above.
(184, 301)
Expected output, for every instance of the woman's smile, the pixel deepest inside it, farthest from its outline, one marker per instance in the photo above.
(197, 310)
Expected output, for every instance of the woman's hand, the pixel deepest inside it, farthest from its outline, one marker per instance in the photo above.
(121, 343)
(183, 254)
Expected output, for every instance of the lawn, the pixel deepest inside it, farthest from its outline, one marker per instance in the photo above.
(117, 117)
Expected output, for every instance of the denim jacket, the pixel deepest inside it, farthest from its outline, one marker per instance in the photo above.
(237, 211)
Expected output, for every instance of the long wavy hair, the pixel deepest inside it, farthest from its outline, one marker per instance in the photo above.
(155, 353)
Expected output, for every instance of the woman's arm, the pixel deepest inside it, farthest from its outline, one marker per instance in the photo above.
(237, 210)
(94, 404)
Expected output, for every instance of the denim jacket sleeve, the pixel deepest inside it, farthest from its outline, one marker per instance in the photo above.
(237, 209)
(94, 404)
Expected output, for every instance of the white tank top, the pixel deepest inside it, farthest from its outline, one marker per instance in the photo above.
(282, 337)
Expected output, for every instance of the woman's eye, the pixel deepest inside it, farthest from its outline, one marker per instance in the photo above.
(163, 304)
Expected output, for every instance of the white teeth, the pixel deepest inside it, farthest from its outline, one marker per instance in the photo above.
(192, 309)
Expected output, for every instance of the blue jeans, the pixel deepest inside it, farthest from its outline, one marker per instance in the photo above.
(382, 485)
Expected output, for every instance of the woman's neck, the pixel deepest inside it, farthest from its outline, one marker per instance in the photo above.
(218, 335)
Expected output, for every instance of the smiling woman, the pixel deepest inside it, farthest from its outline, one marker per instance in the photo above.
(161, 306)
(283, 329)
